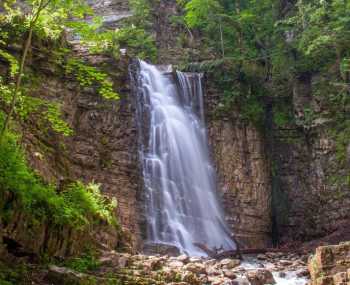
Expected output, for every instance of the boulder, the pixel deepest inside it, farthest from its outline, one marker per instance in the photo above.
(161, 249)
(64, 276)
(330, 264)
(183, 258)
(229, 274)
(260, 277)
(230, 263)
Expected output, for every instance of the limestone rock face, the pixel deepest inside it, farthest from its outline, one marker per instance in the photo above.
(330, 265)
(243, 179)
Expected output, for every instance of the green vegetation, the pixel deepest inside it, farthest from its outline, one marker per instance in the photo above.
(13, 275)
(260, 48)
(45, 20)
(86, 262)
(77, 206)
(89, 76)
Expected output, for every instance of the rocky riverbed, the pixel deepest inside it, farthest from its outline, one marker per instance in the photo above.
(270, 268)
(328, 265)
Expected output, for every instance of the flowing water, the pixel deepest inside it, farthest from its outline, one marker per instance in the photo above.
(179, 179)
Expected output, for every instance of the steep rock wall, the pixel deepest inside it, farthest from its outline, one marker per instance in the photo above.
(243, 174)
(311, 192)
(103, 146)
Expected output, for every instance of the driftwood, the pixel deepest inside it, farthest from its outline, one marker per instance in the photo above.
(220, 253)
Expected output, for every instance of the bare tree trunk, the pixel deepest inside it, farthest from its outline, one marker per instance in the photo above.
(222, 40)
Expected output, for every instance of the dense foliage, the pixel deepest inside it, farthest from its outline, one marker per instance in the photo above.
(262, 47)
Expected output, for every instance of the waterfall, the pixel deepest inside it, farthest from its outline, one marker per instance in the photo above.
(179, 178)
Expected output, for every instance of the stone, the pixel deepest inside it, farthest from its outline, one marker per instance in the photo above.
(229, 274)
(329, 262)
(175, 264)
(183, 258)
(123, 261)
(340, 278)
(261, 257)
(327, 280)
(213, 271)
(203, 278)
(162, 249)
(285, 262)
(191, 278)
(210, 262)
(154, 264)
(260, 277)
(240, 281)
(197, 268)
(215, 280)
(230, 263)
(64, 276)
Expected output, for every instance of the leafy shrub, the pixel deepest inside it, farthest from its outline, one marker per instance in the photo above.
(89, 76)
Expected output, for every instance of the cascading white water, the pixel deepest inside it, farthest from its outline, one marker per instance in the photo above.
(182, 208)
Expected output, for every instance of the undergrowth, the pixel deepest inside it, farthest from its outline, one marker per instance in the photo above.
(77, 205)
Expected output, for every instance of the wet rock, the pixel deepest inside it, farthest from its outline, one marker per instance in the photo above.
(282, 274)
(183, 258)
(261, 257)
(230, 263)
(260, 277)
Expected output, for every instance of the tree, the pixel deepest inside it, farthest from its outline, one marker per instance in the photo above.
(42, 13)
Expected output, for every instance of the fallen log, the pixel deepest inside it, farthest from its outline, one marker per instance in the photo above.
(219, 253)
